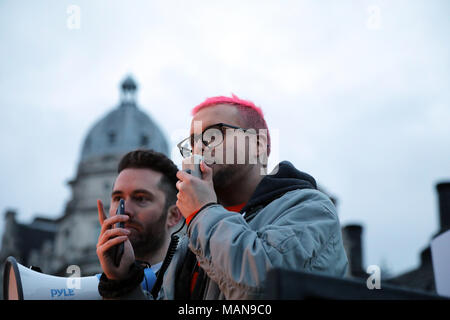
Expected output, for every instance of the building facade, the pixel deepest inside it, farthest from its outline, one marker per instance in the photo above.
(71, 239)
(419, 278)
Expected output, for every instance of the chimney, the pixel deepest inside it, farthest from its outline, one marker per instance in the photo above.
(352, 238)
(10, 217)
(443, 190)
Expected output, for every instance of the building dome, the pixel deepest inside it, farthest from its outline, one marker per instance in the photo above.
(123, 129)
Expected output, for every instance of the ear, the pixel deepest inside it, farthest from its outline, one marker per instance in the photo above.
(173, 216)
(263, 148)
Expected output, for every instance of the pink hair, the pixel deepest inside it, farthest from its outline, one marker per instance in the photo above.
(243, 104)
(235, 100)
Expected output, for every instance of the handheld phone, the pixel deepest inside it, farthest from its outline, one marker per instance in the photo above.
(192, 165)
(118, 249)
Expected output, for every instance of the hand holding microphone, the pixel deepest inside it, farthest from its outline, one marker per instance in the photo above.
(195, 189)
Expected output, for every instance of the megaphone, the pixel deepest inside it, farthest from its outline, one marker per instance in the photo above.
(22, 283)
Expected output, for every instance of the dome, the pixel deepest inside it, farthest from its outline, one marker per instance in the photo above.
(123, 129)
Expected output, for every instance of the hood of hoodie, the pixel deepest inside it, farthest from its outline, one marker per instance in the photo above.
(271, 187)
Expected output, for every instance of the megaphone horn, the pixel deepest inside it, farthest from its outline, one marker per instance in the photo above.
(22, 283)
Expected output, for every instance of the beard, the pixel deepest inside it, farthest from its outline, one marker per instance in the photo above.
(226, 175)
(151, 239)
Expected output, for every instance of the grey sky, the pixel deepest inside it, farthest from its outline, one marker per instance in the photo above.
(358, 92)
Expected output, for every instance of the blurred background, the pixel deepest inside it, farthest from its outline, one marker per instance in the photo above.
(356, 94)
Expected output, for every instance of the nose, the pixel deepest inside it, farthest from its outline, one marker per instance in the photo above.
(129, 208)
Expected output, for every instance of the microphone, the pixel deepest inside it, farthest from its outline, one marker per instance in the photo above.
(191, 165)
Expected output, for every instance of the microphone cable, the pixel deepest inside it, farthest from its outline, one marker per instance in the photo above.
(167, 259)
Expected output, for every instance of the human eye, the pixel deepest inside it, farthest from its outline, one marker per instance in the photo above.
(212, 137)
(195, 139)
(141, 199)
(115, 198)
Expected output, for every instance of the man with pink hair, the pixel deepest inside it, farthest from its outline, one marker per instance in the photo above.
(241, 223)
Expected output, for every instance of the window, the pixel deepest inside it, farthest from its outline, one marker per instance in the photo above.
(111, 137)
(144, 140)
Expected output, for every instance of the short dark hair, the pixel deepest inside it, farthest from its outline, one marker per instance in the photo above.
(150, 159)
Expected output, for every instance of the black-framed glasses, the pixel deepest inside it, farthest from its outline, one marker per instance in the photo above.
(213, 134)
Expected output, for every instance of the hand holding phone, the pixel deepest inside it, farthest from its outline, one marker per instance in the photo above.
(118, 250)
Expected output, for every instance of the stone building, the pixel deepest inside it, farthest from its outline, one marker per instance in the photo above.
(418, 278)
(71, 239)
(422, 277)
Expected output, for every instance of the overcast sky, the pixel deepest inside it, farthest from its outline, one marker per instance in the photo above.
(356, 93)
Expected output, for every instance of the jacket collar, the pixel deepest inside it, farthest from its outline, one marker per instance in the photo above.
(274, 185)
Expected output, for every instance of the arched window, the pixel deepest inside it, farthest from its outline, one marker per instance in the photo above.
(111, 137)
(144, 140)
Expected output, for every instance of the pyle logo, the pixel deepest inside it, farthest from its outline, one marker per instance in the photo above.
(374, 280)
